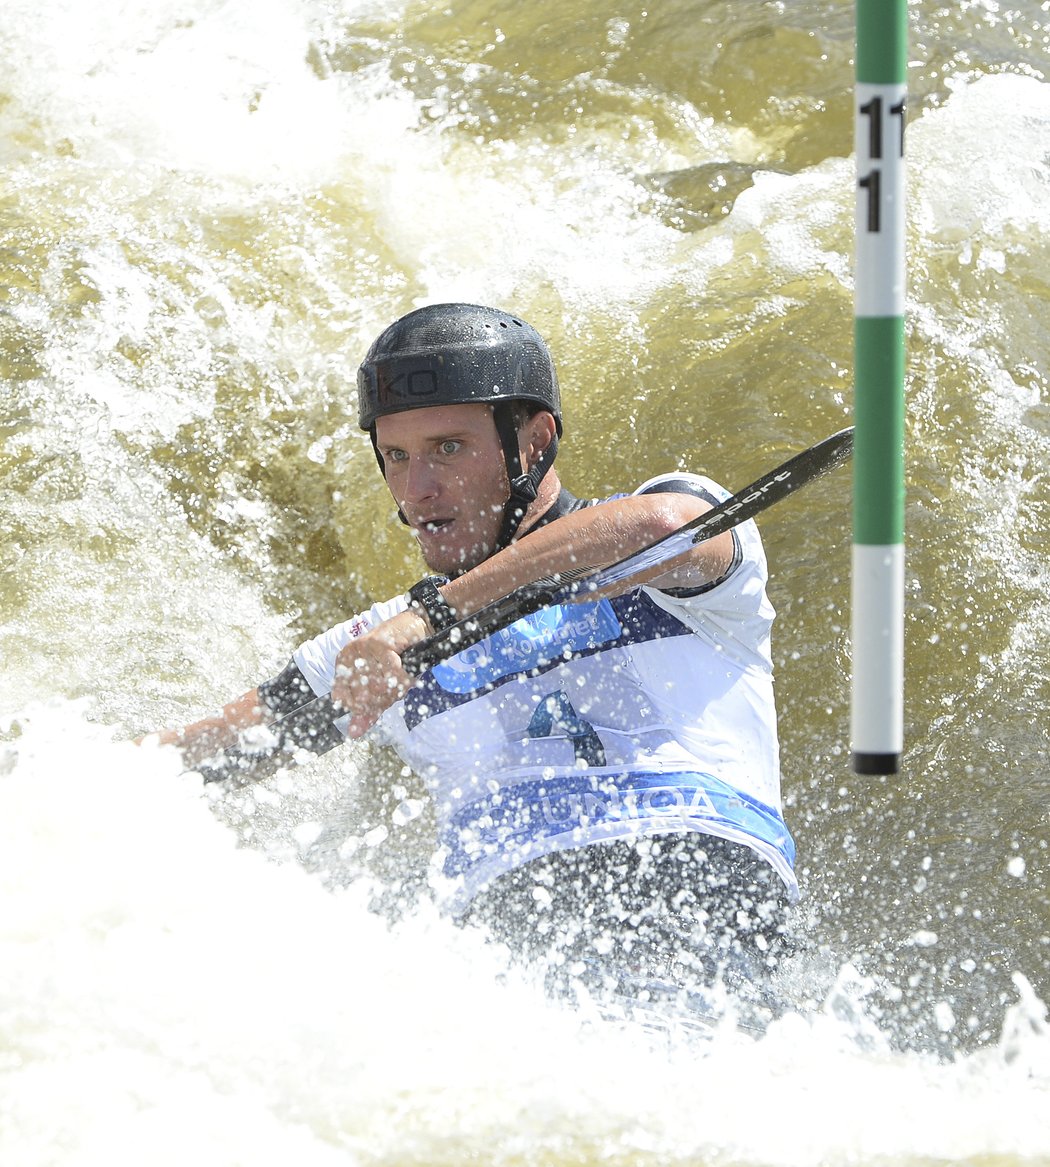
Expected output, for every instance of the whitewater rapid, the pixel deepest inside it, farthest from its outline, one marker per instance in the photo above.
(167, 995)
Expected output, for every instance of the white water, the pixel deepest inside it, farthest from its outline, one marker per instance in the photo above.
(166, 997)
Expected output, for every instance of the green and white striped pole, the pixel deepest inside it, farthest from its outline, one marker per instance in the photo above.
(877, 721)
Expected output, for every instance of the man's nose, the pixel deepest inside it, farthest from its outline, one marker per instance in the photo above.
(421, 480)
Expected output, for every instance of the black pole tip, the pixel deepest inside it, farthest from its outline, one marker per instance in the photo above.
(864, 763)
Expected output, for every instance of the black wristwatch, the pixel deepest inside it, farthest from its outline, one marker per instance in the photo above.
(425, 597)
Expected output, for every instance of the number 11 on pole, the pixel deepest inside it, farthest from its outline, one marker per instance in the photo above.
(877, 712)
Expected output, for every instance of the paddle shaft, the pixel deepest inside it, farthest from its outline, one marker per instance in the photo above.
(312, 726)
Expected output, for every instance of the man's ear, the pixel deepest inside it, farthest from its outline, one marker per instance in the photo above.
(536, 435)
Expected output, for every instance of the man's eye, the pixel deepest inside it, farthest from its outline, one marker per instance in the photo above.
(395, 456)
(450, 447)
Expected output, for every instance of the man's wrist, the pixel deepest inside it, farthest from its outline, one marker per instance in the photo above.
(426, 601)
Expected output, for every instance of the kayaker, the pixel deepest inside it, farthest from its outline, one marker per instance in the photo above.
(605, 774)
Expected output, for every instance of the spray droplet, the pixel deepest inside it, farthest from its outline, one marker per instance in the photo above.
(943, 1015)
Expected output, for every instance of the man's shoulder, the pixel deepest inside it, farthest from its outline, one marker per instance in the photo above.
(685, 482)
(673, 482)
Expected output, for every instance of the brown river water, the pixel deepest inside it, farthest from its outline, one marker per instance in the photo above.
(207, 210)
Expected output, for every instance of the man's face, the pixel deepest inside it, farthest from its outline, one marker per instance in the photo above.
(445, 468)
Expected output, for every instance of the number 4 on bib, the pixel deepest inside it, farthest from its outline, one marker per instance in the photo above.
(555, 715)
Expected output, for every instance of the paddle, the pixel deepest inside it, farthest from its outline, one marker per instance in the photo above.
(312, 728)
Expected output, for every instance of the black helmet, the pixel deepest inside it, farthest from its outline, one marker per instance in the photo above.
(455, 354)
(462, 354)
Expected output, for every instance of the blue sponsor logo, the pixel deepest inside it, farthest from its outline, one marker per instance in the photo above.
(531, 813)
(531, 642)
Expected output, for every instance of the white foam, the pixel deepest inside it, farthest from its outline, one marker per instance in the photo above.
(167, 995)
(981, 169)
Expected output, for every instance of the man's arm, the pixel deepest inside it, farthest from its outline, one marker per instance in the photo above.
(369, 674)
(594, 537)
(208, 737)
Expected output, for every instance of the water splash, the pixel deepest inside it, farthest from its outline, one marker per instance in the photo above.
(154, 970)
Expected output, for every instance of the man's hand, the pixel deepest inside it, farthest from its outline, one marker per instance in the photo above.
(369, 676)
(205, 739)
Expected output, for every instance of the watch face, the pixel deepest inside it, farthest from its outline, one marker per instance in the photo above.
(426, 595)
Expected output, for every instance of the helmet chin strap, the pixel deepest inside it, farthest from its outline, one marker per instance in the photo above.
(523, 486)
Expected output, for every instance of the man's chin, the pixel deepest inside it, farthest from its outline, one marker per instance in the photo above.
(445, 554)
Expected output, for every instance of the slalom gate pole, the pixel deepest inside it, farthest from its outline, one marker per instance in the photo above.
(877, 712)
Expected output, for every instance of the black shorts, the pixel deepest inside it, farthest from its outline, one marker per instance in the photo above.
(671, 915)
